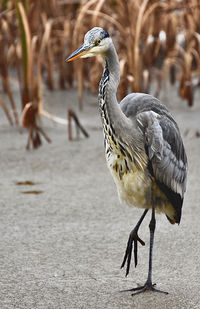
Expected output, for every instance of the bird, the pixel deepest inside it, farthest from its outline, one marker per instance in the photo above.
(143, 148)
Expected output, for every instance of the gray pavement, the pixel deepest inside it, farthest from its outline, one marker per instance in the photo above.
(62, 248)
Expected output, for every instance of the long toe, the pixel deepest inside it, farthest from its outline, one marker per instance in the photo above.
(145, 288)
(128, 253)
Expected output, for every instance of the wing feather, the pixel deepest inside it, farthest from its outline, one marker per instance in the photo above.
(165, 150)
(167, 161)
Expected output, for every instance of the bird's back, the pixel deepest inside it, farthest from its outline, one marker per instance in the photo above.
(136, 103)
(166, 157)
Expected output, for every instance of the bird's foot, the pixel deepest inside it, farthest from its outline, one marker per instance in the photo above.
(148, 286)
(128, 253)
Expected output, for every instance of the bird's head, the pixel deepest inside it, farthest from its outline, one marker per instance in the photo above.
(96, 41)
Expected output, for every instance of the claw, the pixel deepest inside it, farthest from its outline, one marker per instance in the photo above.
(148, 286)
(133, 237)
(128, 253)
(140, 240)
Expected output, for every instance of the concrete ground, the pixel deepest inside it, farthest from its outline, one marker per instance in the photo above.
(63, 247)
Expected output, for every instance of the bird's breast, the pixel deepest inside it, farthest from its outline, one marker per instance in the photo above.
(133, 184)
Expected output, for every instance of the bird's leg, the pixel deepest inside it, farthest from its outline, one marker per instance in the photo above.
(133, 237)
(148, 286)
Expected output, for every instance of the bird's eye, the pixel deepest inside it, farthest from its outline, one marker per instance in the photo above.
(97, 42)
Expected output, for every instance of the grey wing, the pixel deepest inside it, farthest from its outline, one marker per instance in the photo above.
(167, 161)
(165, 150)
(163, 141)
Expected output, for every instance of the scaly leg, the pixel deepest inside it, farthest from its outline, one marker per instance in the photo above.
(148, 286)
(133, 238)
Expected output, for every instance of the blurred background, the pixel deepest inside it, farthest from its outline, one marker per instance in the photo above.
(63, 230)
(158, 43)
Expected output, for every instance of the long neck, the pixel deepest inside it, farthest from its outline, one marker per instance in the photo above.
(111, 113)
(118, 129)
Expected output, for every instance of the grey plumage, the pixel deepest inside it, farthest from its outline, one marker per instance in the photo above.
(143, 147)
(162, 137)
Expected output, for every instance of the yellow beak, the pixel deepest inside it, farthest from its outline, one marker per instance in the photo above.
(81, 51)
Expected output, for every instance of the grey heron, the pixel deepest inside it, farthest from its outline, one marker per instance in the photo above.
(143, 148)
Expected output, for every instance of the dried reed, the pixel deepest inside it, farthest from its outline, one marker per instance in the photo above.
(36, 36)
(136, 27)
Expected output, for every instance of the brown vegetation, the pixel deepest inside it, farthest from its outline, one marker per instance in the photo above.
(137, 28)
(154, 40)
